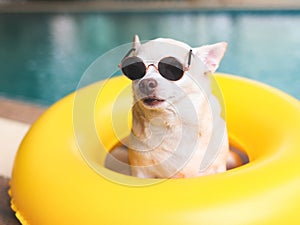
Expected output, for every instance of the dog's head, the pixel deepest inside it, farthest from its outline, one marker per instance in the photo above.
(163, 71)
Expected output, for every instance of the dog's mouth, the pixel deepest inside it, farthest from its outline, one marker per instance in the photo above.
(152, 101)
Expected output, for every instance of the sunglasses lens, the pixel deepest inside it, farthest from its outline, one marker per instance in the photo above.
(133, 68)
(170, 68)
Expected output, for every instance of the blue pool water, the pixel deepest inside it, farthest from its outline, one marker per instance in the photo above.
(43, 56)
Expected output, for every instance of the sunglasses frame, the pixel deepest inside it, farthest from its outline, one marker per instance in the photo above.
(184, 68)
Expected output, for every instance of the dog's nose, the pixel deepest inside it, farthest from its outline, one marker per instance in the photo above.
(147, 86)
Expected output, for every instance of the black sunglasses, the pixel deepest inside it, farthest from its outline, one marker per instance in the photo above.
(169, 67)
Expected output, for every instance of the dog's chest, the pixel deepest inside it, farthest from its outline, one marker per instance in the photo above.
(164, 142)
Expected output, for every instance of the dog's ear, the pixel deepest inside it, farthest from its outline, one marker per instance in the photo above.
(211, 55)
(136, 42)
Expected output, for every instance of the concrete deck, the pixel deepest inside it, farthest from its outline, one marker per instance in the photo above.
(15, 120)
(11, 135)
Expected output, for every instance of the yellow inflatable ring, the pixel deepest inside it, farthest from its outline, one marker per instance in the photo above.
(52, 183)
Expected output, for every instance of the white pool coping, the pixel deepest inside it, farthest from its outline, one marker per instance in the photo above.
(11, 135)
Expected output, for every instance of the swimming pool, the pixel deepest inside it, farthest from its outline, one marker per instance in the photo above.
(43, 56)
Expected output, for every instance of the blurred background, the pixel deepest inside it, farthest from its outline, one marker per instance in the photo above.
(47, 46)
